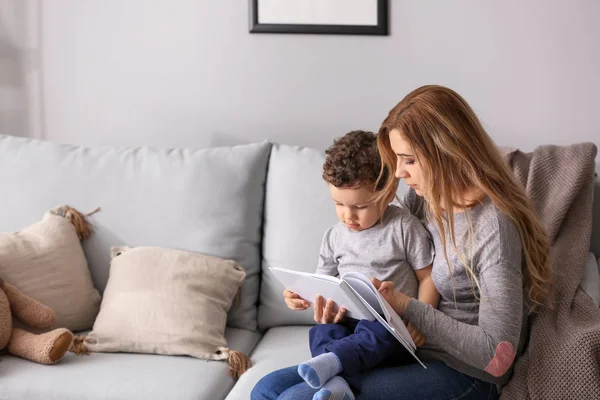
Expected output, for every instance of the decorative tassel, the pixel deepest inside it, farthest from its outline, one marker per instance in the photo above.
(83, 228)
(238, 362)
(78, 346)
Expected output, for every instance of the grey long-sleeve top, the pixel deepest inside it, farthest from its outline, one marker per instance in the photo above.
(477, 332)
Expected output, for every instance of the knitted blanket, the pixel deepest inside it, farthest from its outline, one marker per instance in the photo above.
(562, 357)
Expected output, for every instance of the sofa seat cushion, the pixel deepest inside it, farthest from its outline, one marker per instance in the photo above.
(122, 376)
(279, 348)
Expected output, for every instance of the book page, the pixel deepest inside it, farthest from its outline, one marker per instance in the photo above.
(308, 286)
(365, 289)
(406, 341)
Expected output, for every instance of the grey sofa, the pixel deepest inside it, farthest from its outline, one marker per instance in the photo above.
(262, 204)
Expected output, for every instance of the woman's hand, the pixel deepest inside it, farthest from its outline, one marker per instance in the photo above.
(327, 314)
(294, 301)
(397, 300)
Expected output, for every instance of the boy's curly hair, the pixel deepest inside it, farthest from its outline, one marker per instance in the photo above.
(353, 160)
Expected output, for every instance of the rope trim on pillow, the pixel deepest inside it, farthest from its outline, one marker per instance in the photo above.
(78, 346)
(237, 361)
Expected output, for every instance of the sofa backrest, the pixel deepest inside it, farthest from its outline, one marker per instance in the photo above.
(209, 201)
(298, 210)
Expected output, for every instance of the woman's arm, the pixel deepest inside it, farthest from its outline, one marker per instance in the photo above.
(491, 344)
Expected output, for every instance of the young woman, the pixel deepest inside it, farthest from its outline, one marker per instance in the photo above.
(490, 267)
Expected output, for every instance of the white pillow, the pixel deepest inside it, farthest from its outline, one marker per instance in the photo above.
(590, 281)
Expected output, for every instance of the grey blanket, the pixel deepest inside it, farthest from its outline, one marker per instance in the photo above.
(562, 358)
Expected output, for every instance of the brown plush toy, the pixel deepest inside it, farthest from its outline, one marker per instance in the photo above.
(45, 348)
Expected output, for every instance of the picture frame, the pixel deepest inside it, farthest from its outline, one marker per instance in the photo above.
(335, 17)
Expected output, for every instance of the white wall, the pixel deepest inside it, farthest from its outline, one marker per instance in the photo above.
(188, 73)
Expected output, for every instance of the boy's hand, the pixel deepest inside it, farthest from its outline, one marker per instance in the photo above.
(416, 336)
(294, 301)
(327, 312)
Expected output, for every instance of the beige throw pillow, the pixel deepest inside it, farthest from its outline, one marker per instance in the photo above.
(166, 301)
(45, 261)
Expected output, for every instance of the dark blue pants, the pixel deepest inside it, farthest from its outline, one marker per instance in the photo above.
(359, 344)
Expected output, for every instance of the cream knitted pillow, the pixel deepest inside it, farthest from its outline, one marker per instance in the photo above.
(166, 301)
(45, 261)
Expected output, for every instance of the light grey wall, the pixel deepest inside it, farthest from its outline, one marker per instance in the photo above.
(20, 68)
(188, 73)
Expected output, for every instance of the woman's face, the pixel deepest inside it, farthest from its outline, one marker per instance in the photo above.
(407, 165)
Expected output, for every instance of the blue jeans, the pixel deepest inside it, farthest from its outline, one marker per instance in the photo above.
(407, 382)
(359, 344)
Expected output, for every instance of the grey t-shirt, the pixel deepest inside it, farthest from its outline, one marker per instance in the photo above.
(390, 250)
(477, 335)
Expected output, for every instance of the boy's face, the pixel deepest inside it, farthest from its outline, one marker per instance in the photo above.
(355, 207)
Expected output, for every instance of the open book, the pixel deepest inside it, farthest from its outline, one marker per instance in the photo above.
(353, 291)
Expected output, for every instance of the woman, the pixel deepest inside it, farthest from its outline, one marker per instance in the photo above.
(490, 267)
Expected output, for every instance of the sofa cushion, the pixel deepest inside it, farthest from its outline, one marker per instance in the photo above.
(280, 347)
(208, 201)
(298, 210)
(45, 261)
(165, 301)
(122, 376)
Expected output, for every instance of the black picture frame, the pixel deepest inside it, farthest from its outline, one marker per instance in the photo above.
(382, 27)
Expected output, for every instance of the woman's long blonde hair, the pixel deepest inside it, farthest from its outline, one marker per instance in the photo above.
(457, 154)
